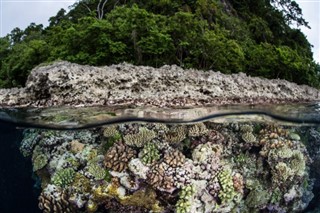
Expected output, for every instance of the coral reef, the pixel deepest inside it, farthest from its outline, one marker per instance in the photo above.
(147, 167)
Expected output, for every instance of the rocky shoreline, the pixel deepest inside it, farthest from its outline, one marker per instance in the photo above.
(64, 83)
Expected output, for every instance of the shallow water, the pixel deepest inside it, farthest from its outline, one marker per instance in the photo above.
(120, 159)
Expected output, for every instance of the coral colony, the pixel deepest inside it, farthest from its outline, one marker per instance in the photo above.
(146, 167)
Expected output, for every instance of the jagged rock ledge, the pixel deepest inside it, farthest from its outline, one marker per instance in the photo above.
(64, 83)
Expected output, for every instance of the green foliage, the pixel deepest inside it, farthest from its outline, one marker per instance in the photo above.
(230, 36)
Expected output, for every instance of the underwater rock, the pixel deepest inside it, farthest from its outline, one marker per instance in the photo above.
(138, 168)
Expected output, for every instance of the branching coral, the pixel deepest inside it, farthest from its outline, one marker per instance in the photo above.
(110, 131)
(175, 135)
(257, 198)
(54, 200)
(39, 162)
(96, 171)
(118, 157)
(139, 139)
(197, 130)
(205, 152)
(149, 154)
(158, 178)
(185, 198)
(246, 128)
(63, 177)
(174, 158)
(30, 139)
(248, 137)
(227, 191)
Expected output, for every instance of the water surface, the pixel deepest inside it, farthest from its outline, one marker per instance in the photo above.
(135, 159)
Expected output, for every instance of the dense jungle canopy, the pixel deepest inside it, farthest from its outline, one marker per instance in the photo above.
(258, 37)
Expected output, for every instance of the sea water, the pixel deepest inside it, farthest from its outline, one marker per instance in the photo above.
(138, 159)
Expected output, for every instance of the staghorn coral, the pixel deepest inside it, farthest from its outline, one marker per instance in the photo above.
(197, 130)
(63, 177)
(139, 139)
(118, 157)
(149, 154)
(54, 200)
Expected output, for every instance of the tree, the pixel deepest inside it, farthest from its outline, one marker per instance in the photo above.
(292, 12)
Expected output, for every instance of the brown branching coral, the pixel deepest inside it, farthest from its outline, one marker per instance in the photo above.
(158, 178)
(175, 135)
(110, 131)
(174, 158)
(212, 136)
(197, 130)
(54, 200)
(141, 138)
(238, 182)
(118, 157)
